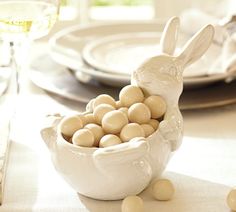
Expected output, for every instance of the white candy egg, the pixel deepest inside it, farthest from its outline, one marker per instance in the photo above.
(154, 123)
(104, 99)
(131, 94)
(83, 119)
(101, 110)
(83, 137)
(130, 131)
(70, 124)
(109, 140)
(157, 106)
(118, 104)
(124, 110)
(163, 189)
(89, 118)
(97, 131)
(114, 121)
(132, 204)
(139, 113)
(148, 129)
(89, 106)
(231, 199)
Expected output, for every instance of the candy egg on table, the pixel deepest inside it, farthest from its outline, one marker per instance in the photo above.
(104, 99)
(83, 137)
(139, 113)
(114, 121)
(109, 140)
(130, 94)
(130, 131)
(70, 124)
(231, 199)
(97, 131)
(100, 111)
(148, 129)
(157, 106)
(163, 189)
(132, 204)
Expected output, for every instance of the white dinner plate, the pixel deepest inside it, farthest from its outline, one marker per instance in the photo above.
(56, 79)
(67, 46)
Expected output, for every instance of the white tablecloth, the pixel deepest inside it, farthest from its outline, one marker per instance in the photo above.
(203, 169)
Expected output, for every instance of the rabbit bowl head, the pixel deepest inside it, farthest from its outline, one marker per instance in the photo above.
(163, 74)
(127, 168)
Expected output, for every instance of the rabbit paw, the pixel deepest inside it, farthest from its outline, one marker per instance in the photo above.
(172, 132)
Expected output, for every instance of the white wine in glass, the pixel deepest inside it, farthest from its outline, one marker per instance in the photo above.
(26, 19)
(20, 21)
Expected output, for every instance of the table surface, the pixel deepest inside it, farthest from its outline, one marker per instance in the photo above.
(202, 169)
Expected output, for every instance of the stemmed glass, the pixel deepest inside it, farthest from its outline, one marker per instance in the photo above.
(21, 21)
(25, 20)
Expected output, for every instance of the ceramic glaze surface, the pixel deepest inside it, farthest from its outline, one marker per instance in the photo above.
(115, 172)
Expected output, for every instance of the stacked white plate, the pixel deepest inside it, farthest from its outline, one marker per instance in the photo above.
(110, 52)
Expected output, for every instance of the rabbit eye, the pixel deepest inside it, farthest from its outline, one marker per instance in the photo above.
(170, 71)
(174, 72)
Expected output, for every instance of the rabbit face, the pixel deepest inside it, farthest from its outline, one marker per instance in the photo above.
(160, 75)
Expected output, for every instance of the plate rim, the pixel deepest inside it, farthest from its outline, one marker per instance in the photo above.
(90, 46)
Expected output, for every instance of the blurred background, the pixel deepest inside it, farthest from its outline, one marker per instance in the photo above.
(101, 10)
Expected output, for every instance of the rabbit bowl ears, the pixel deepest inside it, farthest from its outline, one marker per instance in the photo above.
(193, 49)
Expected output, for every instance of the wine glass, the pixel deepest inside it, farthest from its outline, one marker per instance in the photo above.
(21, 21)
(25, 20)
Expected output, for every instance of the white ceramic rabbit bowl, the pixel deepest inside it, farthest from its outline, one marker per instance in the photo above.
(117, 171)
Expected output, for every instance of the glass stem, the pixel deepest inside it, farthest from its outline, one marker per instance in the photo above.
(8, 104)
(16, 66)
